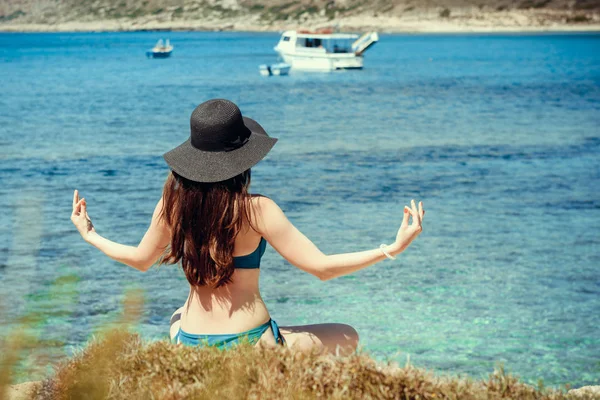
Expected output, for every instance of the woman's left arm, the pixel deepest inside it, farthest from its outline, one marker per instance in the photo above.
(142, 256)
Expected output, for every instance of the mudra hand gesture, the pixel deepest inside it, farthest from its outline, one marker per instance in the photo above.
(409, 232)
(80, 217)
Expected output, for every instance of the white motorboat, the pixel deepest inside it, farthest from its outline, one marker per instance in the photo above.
(274, 69)
(324, 50)
(280, 69)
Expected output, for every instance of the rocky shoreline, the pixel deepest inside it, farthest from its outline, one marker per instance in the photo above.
(426, 22)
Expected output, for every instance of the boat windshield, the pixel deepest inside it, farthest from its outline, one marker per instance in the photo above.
(329, 45)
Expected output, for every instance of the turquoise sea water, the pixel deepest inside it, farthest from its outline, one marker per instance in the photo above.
(499, 135)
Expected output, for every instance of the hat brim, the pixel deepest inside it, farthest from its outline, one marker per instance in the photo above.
(215, 166)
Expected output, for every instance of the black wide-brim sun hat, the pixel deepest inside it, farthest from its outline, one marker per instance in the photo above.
(222, 144)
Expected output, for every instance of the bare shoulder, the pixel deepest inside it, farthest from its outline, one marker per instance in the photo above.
(263, 203)
(265, 212)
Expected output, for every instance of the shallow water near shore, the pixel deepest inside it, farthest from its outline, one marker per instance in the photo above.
(498, 135)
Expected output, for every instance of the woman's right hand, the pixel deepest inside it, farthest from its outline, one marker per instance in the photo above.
(409, 232)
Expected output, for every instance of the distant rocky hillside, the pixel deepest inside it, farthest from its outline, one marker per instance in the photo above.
(277, 14)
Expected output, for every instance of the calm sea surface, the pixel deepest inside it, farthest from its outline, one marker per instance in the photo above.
(498, 135)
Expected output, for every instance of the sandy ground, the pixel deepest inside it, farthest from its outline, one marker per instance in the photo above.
(21, 391)
(585, 392)
(507, 21)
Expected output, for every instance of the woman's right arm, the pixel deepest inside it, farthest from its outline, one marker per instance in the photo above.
(297, 249)
(140, 257)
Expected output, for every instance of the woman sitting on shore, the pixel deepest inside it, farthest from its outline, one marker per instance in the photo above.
(209, 222)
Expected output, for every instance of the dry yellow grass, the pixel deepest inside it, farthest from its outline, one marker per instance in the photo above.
(121, 366)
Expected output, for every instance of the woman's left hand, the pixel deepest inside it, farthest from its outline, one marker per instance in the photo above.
(80, 217)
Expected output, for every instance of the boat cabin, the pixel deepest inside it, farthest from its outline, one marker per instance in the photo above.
(318, 41)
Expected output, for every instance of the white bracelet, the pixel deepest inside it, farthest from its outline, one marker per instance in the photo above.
(388, 255)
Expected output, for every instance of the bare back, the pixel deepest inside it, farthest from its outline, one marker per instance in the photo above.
(233, 308)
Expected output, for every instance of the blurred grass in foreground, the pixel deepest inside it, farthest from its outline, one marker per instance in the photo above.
(31, 351)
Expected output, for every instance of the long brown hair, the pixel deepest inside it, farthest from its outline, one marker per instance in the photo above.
(205, 219)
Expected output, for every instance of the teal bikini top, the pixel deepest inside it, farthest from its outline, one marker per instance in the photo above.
(252, 260)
